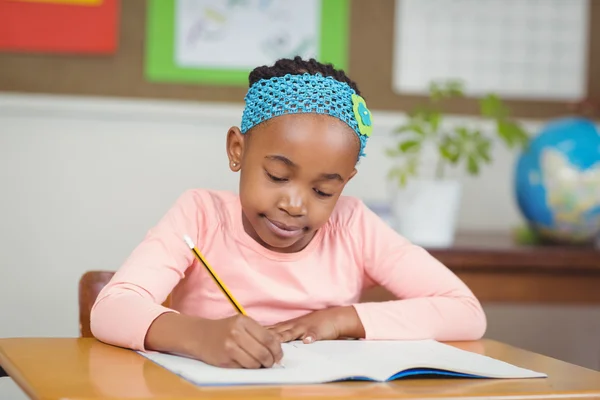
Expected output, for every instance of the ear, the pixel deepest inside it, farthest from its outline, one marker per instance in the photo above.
(352, 175)
(235, 148)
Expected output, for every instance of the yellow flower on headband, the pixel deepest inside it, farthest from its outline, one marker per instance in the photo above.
(362, 115)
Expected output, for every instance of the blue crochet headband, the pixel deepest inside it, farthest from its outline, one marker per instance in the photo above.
(306, 93)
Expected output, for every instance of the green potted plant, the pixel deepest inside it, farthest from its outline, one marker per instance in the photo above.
(425, 208)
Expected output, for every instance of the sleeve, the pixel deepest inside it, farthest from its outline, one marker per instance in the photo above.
(126, 307)
(433, 303)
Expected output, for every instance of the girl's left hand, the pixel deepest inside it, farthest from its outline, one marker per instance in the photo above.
(329, 324)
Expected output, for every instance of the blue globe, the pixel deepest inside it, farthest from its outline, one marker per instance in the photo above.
(557, 182)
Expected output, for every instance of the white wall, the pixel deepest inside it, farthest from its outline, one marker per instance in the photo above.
(82, 180)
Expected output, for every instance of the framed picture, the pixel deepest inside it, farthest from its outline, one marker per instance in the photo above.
(220, 41)
(65, 27)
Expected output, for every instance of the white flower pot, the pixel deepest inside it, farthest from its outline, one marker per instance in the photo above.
(426, 211)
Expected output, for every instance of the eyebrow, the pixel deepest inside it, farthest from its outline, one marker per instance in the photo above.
(290, 163)
(283, 159)
(332, 177)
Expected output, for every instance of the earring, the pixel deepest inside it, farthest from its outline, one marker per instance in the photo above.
(234, 164)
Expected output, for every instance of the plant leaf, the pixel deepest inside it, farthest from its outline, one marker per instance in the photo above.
(411, 126)
(409, 145)
(512, 133)
(433, 119)
(401, 173)
(447, 89)
(435, 92)
(462, 132)
(472, 165)
(491, 106)
(450, 150)
(393, 172)
(449, 155)
(391, 152)
(483, 150)
(455, 87)
(403, 129)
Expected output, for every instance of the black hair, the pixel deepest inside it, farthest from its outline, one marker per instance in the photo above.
(297, 66)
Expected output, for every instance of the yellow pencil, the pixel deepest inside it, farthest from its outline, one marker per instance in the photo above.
(214, 275)
(219, 282)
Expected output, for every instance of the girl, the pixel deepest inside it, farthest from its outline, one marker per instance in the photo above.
(293, 251)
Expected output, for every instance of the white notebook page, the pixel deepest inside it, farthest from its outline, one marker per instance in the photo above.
(382, 359)
(327, 361)
(300, 367)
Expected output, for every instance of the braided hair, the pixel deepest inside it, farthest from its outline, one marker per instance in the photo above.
(297, 66)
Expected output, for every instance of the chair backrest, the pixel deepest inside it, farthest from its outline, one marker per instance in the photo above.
(92, 282)
(90, 285)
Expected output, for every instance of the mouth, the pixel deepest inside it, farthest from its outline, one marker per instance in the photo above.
(283, 230)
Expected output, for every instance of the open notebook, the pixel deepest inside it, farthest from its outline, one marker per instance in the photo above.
(330, 361)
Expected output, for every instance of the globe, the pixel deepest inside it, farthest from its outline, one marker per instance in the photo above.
(557, 182)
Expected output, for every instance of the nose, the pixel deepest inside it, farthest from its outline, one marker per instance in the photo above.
(293, 202)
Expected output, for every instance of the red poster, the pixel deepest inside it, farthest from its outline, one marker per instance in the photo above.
(48, 27)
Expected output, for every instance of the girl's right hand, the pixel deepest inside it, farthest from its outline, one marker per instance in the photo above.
(235, 342)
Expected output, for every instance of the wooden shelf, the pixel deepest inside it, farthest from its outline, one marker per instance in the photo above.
(477, 251)
(498, 270)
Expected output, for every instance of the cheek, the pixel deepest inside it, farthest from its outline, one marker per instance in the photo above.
(254, 191)
(320, 211)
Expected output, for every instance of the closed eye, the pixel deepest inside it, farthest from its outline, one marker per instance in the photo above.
(322, 194)
(275, 178)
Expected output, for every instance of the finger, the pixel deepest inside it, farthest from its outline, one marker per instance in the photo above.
(281, 327)
(286, 336)
(230, 364)
(309, 337)
(293, 333)
(266, 346)
(273, 327)
(241, 357)
(276, 333)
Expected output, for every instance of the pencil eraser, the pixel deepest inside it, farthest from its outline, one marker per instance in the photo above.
(188, 240)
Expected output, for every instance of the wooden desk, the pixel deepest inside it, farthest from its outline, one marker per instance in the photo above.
(497, 270)
(79, 369)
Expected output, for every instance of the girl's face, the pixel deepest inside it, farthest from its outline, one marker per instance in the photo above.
(293, 169)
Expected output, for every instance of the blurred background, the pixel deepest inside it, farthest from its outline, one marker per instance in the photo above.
(485, 138)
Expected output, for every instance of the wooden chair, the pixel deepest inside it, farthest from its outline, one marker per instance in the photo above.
(90, 285)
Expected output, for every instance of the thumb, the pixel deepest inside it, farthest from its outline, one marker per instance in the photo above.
(310, 337)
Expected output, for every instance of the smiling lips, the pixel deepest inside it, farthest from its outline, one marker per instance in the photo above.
(283, 230)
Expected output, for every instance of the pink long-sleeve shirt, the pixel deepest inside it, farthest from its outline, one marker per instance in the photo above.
(355, 249)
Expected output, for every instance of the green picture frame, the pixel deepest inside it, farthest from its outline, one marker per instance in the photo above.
(160, 63)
